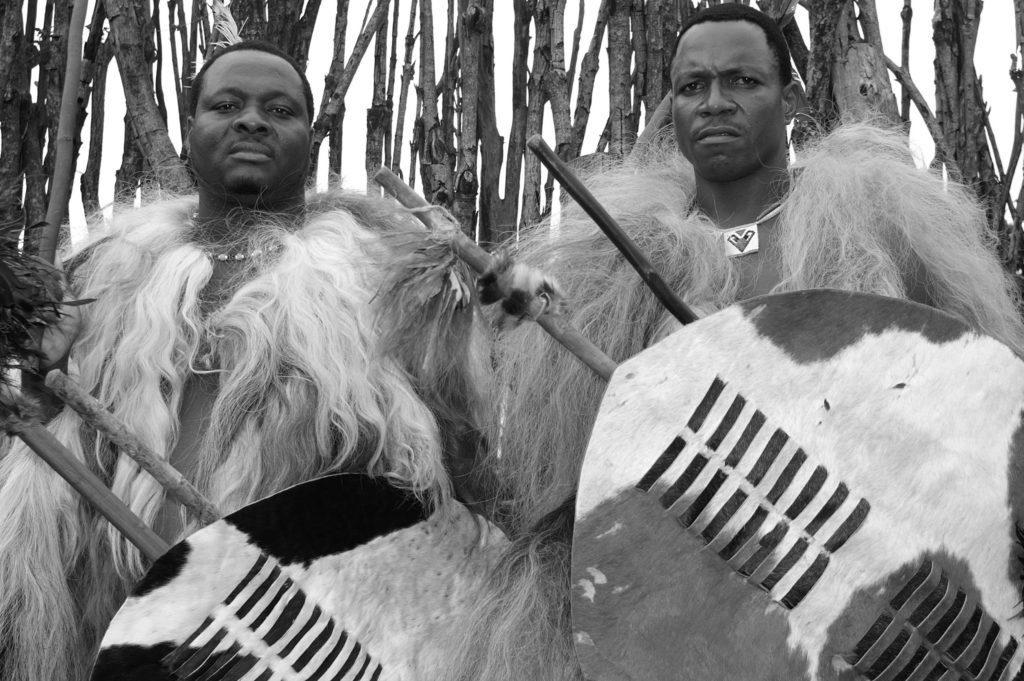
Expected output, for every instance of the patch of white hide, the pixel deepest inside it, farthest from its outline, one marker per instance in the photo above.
(921, 430)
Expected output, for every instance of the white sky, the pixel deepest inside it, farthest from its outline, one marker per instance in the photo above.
(992, 59)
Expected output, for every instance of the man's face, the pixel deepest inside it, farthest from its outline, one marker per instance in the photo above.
(249, 140)
(729, 108)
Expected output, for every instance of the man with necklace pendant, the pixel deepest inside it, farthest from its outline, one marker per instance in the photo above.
(850, 212)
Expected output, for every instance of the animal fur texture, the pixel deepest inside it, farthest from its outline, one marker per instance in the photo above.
(859, 217)
(303, 391)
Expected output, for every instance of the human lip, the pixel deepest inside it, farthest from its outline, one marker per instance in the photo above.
(717, 133)
(249, 151)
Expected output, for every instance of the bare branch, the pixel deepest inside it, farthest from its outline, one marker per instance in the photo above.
(930, 122)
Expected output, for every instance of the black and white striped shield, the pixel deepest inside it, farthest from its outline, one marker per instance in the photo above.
(344, 578)
(816, 485)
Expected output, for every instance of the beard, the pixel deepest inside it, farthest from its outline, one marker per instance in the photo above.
(244, 185)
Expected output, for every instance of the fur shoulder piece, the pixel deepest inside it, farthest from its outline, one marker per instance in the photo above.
(379, 215)
(861, 217)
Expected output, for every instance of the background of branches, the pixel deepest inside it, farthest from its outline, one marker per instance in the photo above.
(456, 154)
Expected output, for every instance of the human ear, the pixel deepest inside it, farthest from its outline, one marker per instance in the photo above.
(794, 100)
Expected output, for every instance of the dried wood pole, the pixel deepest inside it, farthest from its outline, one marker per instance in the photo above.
(93, 412)
(81, 479)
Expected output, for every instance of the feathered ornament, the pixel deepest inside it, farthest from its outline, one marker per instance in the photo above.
(224, 24)
(30, 299)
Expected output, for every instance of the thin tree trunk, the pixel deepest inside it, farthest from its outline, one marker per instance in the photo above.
(330, 82)
(588, 74)
(334, 97)
(13, 106)
(535, 112)
(126, 21)
(653, 37)
(434, 152)
(638, 28)
(489, 229)
(960, 106)
(180, 67)
(620, 109)
(824, 19)
(556, 91)
(91, 176)
(861, 82)
(392, 70)
(378, 116)
(128, 178)
(408, 71)
(472, 23)
(906, 16)
(251, 17)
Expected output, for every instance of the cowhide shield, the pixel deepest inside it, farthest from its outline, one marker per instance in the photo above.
(340, 578)
(816, 485)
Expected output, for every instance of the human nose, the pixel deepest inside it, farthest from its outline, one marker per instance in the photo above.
(250, 120)
(717, 100)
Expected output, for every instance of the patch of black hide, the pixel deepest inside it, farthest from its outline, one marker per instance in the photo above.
(815, 325)
(133, 663)
(326, 516)
(166, 568)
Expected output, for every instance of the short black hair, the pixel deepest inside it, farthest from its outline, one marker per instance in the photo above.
(735, 12)
(257, 46)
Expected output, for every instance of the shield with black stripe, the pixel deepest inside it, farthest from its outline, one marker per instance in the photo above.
(344, 578)
(814, 485)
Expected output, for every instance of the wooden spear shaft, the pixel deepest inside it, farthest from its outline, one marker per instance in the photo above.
(673, 303)
(96, 415)
(82, 480)
(480, 260)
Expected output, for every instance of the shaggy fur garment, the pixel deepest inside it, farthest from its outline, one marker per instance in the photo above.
(859, 216)
(302, 392)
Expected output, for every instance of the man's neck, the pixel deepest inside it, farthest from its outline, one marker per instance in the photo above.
(731, 204)
(221, 221)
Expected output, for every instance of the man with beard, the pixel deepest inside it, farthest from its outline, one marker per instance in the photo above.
(234, 333)
(726, 219)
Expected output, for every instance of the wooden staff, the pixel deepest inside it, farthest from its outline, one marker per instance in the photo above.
(81, 479)
(673, 303)
(480, 260)
(96, 415)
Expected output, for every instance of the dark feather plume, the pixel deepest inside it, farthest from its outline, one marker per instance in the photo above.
(30, 295)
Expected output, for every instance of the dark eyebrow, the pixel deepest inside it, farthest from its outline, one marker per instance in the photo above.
(742, 68)
(241, 94)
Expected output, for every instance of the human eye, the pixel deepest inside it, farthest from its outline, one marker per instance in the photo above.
(280, 110)
(224, 106)
(691, 87)
(745, 81)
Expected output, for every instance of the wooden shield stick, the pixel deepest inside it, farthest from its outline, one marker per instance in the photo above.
(673, 303)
